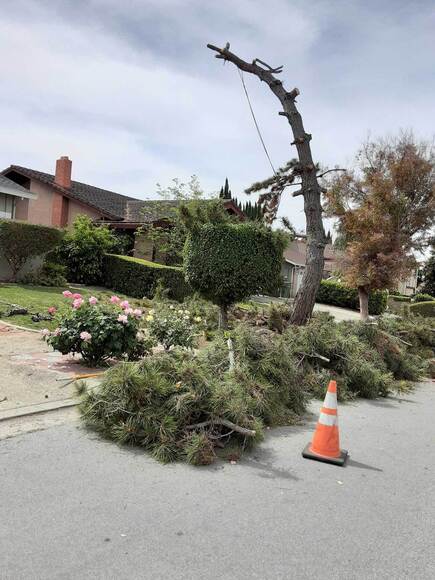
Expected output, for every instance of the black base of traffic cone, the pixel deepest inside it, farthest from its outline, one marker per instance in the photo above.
(308, 454)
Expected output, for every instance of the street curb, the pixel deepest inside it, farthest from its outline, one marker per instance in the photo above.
(37, 408)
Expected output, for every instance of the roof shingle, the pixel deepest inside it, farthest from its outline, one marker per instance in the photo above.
(108, 202)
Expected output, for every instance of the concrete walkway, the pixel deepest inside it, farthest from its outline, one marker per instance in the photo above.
(76, 507)
(31, 373)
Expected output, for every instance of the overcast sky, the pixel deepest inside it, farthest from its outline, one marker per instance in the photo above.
(130, 92)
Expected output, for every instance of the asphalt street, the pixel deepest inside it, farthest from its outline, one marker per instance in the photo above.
(73, 506)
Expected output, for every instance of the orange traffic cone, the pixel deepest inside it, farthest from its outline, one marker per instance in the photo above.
(326, 440)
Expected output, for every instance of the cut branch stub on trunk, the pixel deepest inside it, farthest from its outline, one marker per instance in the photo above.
(311, 190)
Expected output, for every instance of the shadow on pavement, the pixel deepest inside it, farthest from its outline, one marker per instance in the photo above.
(265, 468)
(357, 464)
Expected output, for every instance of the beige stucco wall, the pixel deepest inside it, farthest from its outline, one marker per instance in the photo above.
(38, 210)
(408, 286)
(76, 209)
(143, 248)
(30, 266)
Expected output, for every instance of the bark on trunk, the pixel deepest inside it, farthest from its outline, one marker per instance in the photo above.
(311, 191)
(223, 317)
(363, 303)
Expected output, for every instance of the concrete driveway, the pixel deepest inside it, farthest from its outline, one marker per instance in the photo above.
(76, 507)
(338, 313)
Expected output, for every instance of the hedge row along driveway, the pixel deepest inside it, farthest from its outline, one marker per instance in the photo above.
(140, 278)
(336, 294)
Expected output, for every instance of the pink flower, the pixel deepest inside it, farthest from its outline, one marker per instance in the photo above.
(137, 312)
(67, 294)
(56, 331)
(52, 310)
(86, 336)
(77, 296)
(115, 300)
(128, 311)
(45, 332)
(124, 304)
(123, 318)
(93, 300)
(77, 303)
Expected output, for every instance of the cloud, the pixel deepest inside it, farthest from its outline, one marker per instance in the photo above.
(130, 92)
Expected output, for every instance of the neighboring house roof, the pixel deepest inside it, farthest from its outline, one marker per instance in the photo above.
(296, 253)
(11, 188)
(149, 211)
(110, 203)
(115, 206)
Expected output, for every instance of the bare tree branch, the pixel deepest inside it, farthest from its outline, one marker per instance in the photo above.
(311, 191)
(224, 423)
(329, 171)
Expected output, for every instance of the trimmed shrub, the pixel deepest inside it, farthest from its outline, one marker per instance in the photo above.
(336, 294)
(140, 278)
(423, 298)
(20, 241)
(228, 262)
(82, 250)
(426, 309)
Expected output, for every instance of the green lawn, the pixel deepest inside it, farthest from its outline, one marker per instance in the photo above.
(40, 298)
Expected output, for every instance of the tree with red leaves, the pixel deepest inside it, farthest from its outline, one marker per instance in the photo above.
(385, 208)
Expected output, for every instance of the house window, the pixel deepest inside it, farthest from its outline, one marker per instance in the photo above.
(6, 206)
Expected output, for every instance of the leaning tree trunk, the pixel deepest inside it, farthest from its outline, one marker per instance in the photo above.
(363, 303)
(310, 188)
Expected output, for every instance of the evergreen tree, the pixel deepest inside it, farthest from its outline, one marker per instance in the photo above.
(225, 192)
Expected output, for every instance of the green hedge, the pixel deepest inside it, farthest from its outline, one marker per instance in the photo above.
(21, 241)
(426, 309)
(229, 262)
(336, 294)
(399, 298)
(140, 278)
(423, 298)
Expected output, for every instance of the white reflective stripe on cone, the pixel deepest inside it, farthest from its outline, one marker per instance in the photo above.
(329, 420)
(330, 400)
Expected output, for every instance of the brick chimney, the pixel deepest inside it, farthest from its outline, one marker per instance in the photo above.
(63, 172)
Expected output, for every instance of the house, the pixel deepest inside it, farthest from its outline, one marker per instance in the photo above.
(293, 266)
(12, 194)
(57, 199)
(408, 286)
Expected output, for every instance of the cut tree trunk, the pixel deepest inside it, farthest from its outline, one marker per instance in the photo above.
(223, 317)
(310, 188)
(363, 303)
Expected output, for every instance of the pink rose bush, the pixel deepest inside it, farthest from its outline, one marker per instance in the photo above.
(99, 330)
